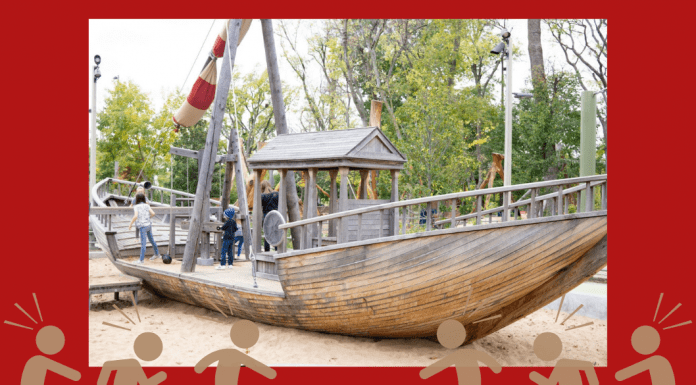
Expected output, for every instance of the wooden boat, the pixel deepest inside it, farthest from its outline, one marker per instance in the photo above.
(486, 275)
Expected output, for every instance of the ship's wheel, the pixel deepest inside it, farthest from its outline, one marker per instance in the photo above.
(274, 236)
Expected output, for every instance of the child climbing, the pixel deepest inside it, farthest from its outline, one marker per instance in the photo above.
(142, 216)
(230, 228)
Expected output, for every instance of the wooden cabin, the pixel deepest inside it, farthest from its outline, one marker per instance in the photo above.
(336, 152)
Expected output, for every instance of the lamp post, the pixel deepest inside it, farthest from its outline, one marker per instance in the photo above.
(96, 74)
(505, 48)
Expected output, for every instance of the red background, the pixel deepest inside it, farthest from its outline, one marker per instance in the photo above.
(45, 53)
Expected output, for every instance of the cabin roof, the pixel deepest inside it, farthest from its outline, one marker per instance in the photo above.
(358, 148)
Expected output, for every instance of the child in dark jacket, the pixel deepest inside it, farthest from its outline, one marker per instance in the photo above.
(230, 227)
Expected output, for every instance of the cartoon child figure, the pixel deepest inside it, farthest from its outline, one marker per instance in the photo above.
(451, 335)
(244, 334)
(50, 340)
(548, 347)
(148, 346)
(645, 340)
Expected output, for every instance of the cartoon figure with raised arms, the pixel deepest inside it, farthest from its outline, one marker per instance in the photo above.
(50, 340)
(244, 334)
(645, 340)
(451, 335)
(148, 346)
(548, 347)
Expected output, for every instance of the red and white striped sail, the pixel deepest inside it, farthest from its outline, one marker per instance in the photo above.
(203, 91)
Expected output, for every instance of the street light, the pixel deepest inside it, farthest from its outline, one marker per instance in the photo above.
(504, 48)
(96, 74)
(522, 95)
(117, 78)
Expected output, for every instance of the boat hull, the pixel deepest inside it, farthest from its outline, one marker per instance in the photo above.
(405, 286)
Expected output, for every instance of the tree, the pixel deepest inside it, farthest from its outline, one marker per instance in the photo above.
(129, 136)
(253, 113)
(584, 43)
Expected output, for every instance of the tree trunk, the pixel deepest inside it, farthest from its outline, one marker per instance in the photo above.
(536, 55)
(280, 123)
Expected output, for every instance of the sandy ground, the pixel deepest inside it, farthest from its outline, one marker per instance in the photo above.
(189, 333)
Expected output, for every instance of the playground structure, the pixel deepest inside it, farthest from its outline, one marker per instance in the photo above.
(369, 276)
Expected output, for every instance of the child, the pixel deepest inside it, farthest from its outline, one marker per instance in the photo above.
(230, 227)
(238, 237)
(142, 215)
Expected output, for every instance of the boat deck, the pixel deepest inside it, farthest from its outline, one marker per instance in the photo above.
(238, 277)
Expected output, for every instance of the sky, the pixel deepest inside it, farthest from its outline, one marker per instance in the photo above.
(157, 55)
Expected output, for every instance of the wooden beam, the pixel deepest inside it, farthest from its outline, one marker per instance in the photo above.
(205, 178)
(394, 223)
(195, 154)
(310, 204)
(283, 208)
(362, 190)
(258, 212)
(280, 122)
(333, 202)
(342, 235)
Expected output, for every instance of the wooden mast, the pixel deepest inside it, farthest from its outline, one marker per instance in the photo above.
(281, 125)
(205, 177)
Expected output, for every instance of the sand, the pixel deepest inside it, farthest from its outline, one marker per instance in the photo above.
(189, 333)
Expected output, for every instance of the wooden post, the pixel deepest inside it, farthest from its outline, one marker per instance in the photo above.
(360, 227)
(506, 204)
(589, 199)
(560, 200)
(376, 113)
(200, 204)
(240, 178)
(403, 219)
(381, 224)
(311, 204)
(280, 122)
(394, 223)
(283, 208)
(532, 205)
(258, 213)
(478, 209)
(604, 195)
(362, 194)
(588, 146)
(429, 217)
(453, 204)
(375, 121)
(332, 202)
(342, 235)
(172, 228)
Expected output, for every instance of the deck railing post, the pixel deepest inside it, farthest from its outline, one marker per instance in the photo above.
(454, 213)
(428, 217)
(478, 209)
(403, 219)
(506, 205)
(532, 205)
(319, 236)
(604, 195)
(359, 226)
(381, 222)
(589, 206)
(172, 227)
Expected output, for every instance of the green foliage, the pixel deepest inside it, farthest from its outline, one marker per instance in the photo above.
(546, 134)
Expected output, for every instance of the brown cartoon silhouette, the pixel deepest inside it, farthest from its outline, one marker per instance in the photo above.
(645, 340)
(244, 334)
(451, 335)
(50, 340)
(548, 347)
(148, 346)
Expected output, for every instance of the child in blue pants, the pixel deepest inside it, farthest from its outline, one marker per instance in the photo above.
(230, 227)
(238, 237)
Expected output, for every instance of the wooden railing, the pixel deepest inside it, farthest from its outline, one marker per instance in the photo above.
(555, 203)
(113, 188)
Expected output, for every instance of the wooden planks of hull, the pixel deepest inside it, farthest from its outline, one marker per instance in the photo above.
(406, 286)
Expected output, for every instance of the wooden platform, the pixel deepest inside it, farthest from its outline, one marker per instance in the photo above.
(113, 282)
